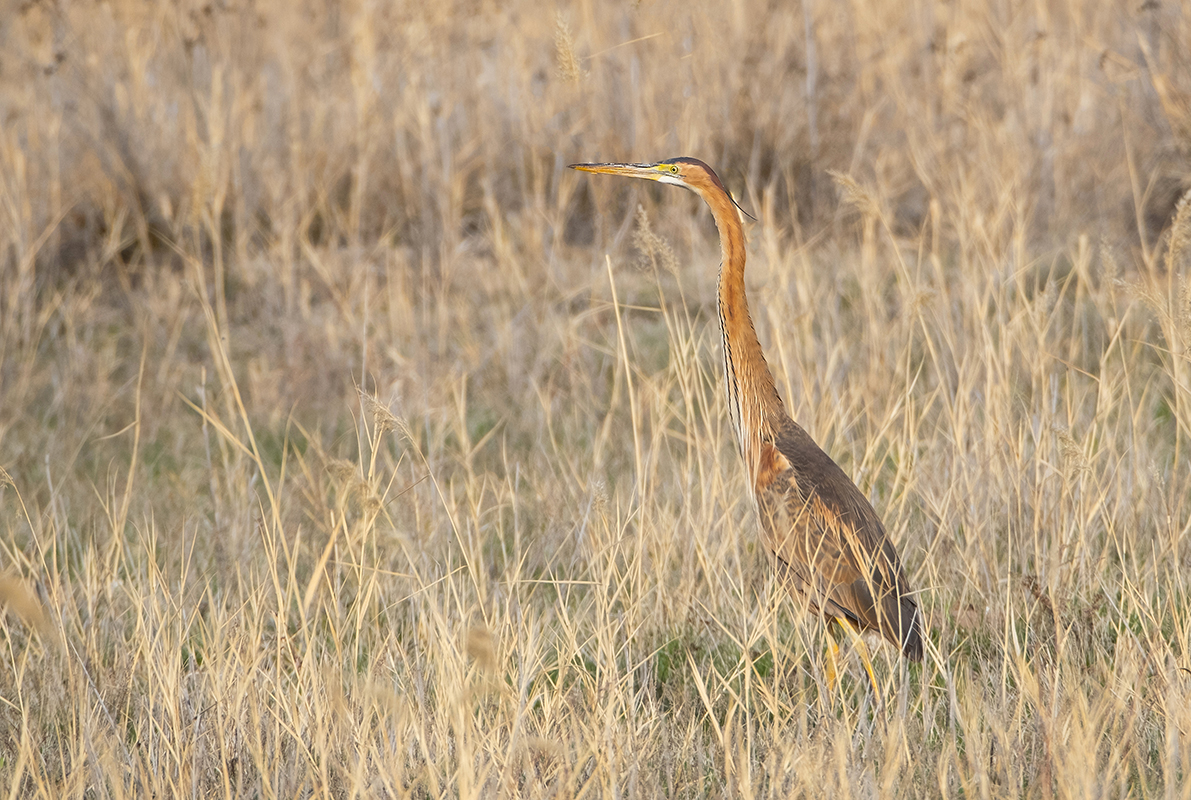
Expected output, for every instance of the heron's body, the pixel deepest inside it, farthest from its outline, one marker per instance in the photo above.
(830, 546)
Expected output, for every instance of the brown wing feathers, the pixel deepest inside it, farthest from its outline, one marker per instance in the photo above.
(828, 537)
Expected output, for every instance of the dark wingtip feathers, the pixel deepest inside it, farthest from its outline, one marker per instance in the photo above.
(912, 638)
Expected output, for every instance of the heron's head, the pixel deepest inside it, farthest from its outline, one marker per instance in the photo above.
(689, 173)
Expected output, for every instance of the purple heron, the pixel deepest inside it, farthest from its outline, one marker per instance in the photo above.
(829, 543)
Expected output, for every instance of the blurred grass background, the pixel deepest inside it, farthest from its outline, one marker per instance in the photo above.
(354, 447)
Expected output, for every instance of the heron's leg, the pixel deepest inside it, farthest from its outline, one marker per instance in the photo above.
(831, 662)
(862, 651)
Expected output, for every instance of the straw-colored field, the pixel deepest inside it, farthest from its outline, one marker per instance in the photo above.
(352, 446)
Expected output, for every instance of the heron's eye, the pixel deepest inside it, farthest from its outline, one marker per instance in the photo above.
(673, 169)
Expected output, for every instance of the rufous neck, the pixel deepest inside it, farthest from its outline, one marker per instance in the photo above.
(752, 394)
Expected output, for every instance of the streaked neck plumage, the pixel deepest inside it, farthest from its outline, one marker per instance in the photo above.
(754, 406)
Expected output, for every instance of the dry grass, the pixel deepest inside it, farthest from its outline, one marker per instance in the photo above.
(337, 459)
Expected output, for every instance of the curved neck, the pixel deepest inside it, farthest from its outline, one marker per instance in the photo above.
(753, 402)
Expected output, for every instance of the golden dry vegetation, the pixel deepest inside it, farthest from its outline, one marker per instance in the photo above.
(354, 447)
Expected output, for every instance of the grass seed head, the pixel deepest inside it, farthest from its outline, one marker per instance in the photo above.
(566, 61)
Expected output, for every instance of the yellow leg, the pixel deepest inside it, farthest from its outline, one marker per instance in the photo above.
(831, 663)
(862, 650)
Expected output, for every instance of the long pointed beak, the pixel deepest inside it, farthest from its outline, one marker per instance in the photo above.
(647, 171)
